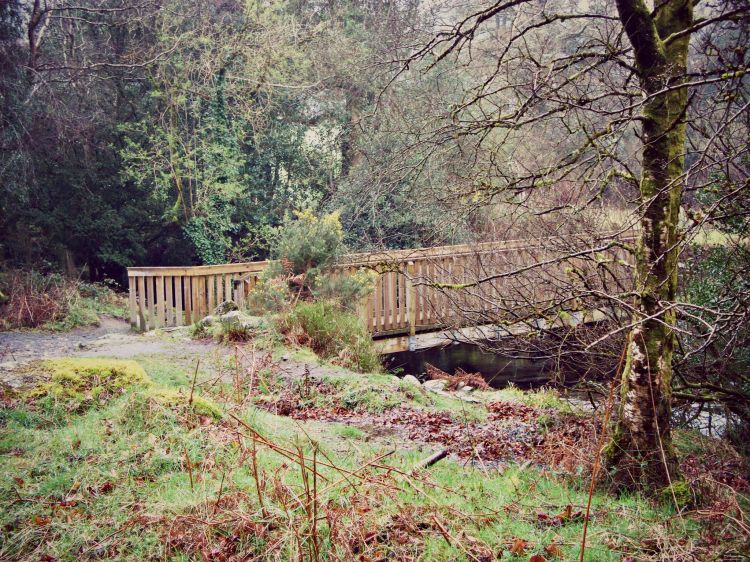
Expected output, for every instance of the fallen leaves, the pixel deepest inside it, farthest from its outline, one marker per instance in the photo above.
(565, 516)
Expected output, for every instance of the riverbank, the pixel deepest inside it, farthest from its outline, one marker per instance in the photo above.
(300, 458)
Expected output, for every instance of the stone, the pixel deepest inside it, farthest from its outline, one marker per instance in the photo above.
(231, 317)
(224, 307)
(466, 388)
(238, 319)
(207, 321)
(436, 385)
(411, 379)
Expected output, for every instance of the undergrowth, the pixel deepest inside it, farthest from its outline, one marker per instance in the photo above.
(135, 477)
(332, 333)
(54, 302)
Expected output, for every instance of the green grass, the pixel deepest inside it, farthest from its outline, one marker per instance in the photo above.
(85, 311)
(110, 482)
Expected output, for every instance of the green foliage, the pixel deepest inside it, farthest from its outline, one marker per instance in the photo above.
(304, 249)
(332, 333)
(80, 382)
(347, 289)
(271, 293)
(308, 244)
(175, 399)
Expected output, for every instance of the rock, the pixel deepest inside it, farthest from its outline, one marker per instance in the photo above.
(411, 379)
(435, 385)
(224, 307)
(237, 319)
(466, 389)
(207, 321)
(231, 317)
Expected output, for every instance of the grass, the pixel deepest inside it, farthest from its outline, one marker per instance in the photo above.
(137, 478)
(85, 311)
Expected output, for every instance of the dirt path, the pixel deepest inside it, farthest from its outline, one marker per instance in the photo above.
(112, 338)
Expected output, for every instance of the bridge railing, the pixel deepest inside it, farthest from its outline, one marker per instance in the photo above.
(456, 286)
(415, 290)
(179, 296)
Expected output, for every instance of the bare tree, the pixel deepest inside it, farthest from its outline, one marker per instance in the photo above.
(599, 98)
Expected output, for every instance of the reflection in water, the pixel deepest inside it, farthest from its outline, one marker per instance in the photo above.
(529, 374)
(498, 371)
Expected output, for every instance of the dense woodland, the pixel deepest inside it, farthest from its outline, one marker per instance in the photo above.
(176, 133)
(613, 136)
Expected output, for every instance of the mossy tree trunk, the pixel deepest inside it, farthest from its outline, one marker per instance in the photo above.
(641, 451)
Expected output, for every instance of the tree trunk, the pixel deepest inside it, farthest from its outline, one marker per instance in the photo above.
(641, 452)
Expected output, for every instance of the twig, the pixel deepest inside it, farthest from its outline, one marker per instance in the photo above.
(189, 467)
(195, 377)
(600, 445)
(432, 459)
(221, 491)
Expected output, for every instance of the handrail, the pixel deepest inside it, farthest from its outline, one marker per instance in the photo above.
(407, 296)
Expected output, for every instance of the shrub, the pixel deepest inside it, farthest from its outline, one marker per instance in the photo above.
(347, 289)
(332, 333)
(304, 250)
(309, 243)
(56, 302)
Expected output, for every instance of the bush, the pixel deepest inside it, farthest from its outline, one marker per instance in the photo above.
(304, 250)
(55, 302)
(332, 333)
(346, 289)
(308, 244)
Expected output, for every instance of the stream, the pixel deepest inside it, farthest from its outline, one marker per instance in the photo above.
(497, 370)
(531, 374)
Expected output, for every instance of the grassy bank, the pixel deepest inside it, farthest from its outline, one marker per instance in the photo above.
(303, 465)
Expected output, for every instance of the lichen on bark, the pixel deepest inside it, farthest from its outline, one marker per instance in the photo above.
(641, 453)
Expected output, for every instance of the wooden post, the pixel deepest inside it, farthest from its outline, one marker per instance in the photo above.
(411, 302)
(187, 290)
(178, 292)
(151, 299)
(160, 301)
(170, 300)
(211, 293)
(132, 302)
(142, 326)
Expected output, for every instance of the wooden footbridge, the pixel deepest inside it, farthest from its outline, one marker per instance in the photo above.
(421, 296)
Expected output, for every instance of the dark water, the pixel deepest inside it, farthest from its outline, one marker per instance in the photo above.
(498, 371)
(529, 374)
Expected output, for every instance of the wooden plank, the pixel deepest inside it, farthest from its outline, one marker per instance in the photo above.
(132, 302)
(411, 298)
(142, 304)
(200, 301)
(241, 294)
(386, 301)
(151, 300)
(187, 291)
(211, 279)
(228, 296)
(198, 270)
(417, 313)
(194, 299)
(170, 300)
(377, 326)
(219, 289)
(160, 319)
(179, 312)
